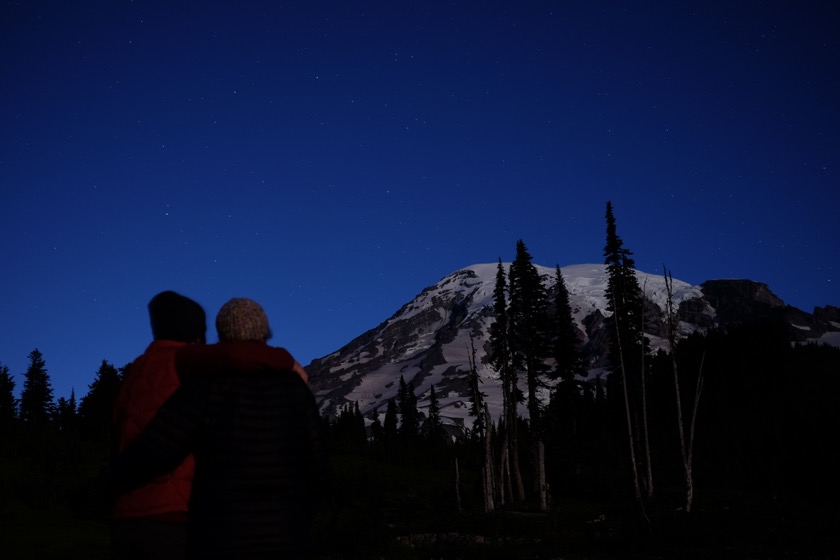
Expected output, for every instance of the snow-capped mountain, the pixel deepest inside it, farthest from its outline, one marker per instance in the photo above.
(429, 340)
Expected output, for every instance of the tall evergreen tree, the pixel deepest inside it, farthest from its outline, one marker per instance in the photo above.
(36, 399)
(499, 347)
(97, 407)
(567, 357)
(500, 357)
(476, 397)
(528, 326)
(8, 402)
(568, 364)
(628, 347)
(623, 293)
(529, 336)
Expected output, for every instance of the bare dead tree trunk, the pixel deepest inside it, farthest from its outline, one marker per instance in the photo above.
(488, 470)
(672, 346)
(536, 431)
(505, 487)
(685, 448)
(690, 457)
(458, 486)
(518, 487)
(509, 457)
(630, 436)
(646, 438)
(513, 447)
(543, 485)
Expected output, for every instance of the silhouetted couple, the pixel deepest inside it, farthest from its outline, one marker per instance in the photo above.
(219, 447)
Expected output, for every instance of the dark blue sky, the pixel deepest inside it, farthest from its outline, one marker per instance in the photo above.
(332, 159)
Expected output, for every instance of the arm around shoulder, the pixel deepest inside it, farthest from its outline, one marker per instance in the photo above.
(165, 443)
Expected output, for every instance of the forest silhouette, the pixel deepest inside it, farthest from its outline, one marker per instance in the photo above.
(765, 465)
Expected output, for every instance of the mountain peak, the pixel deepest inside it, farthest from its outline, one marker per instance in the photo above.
(429, 340)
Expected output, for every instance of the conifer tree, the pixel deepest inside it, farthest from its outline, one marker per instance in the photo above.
(434, 425)
(567, 358)
(624, 295)
(409, 416)
(500, 356)
(528, 326)
(627, 349)
(529, 348)
(36, 399)
(66, 413)
(476, 397)
(97, 407)
(8, 402)
(568, 364)
(499, 343)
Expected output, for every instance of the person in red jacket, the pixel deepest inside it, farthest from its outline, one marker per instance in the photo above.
(150, 522)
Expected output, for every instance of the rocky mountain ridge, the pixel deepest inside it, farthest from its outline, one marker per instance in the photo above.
(430, 339)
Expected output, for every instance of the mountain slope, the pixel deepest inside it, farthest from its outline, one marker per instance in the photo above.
(429, 340)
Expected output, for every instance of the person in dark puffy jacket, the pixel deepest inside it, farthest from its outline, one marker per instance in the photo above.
(253, 426)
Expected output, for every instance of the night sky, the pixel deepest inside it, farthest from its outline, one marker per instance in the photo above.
(332, 159)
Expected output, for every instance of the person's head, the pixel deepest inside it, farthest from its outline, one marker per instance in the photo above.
(175, 317)
(242, 319)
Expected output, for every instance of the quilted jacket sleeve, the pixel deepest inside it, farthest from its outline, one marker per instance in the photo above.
(168, 439)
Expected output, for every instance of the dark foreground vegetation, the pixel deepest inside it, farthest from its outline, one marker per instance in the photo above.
(765, 472)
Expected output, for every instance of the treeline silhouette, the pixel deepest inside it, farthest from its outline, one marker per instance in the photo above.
(765, 461)
(54, 452)
(765, 458)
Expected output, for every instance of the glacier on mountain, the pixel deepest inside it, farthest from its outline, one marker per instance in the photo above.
(429, 340)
